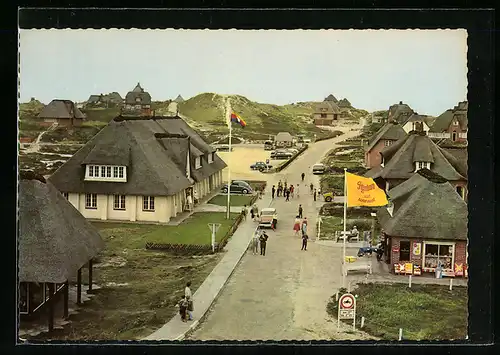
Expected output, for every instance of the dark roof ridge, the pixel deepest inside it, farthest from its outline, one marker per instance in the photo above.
(431, 176)
(31, 175)
(170, 135)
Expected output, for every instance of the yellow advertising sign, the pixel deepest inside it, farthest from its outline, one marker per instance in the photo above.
(362, 191)
(417, 248)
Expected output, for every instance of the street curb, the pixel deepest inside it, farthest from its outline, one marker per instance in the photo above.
(193, 326)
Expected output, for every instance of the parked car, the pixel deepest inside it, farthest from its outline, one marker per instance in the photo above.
(268, 145)
(238, 188)
(223, 148)
(293, 150)
(260, 165)
(266, 217)
(281, 154)
(307, 140)
(328, 196)
(318, 169)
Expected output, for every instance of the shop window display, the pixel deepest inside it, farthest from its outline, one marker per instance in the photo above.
(442, 253)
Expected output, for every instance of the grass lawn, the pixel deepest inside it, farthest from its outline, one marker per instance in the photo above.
(425, 312)
(193, 230)
(236, 200)
(330, 224)
(139, 288)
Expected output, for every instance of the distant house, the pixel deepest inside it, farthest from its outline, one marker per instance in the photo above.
(399, 112)
(344, 104)
(451, 124)
(113, 98)
(140, 169)
(283, 139)
(55, 241)
(415, 122)
(425, 224)
(137, 102)
(386, 136)
(325, 113)
(414, 152)
(62, 112)
(179, 99)
(331, 98)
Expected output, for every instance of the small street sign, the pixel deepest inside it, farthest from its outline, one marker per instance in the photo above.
(211, 226)
(347, 301)
(347, 309)
(347, 313)
(267, 161)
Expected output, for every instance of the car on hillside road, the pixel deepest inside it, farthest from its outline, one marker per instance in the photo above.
(260, 165)
(318, 169)
(266, 217)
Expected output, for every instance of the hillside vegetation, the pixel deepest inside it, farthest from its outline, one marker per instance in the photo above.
(262, 120)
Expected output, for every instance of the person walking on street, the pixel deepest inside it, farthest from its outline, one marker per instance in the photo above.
(297, 191)
(275, 221)
(302, 176)
(252, 213)
(292, 189)
(300, 211)
(285, 185)
(287, 195)
(314, 194)
(311, 187)
(273, 191)
(189, 298)
(263, 243)
(304, 226)
(304, 242)
(244, 212)
(255, 212)
(255, 242)
(296, 225)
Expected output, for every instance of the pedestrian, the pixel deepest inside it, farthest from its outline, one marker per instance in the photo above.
(311, 187)
(314, 194)
(285, 186)
(244, 212)
(273, 191)
(297, 191)
(304, 242)
(300, 211)
(280, 188)
(303, 176)
(255, 212)
(263, 243)
(292, 189)
(296, 225)
(304, 226)
(183, 305)
(255, 242)
(195, 196)
(190, 202)
(189, 299)
(287, 195)
(252, 213)
(275, 221)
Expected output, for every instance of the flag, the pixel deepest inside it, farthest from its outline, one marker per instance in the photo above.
(237, 119)
(362, 191)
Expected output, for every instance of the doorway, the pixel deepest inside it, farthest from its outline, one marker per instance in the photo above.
(404, 251)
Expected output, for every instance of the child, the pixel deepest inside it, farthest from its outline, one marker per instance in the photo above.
(183, 305)
(296, 225)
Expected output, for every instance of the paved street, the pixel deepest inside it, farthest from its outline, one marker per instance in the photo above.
(284, 294)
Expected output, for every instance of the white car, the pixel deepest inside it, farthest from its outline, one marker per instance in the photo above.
(293, 150)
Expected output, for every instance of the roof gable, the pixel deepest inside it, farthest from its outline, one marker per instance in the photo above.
(61, 109)
(331, 98)
(443, 121)
(55, 240)
(389, 131)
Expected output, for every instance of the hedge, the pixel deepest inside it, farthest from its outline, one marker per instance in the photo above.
(337, 210)
(285, 164)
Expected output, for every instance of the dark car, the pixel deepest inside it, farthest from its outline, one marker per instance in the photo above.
(260, 165)
(281, 154)
(239, 187)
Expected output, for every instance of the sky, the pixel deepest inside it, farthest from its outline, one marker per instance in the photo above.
(373, 69)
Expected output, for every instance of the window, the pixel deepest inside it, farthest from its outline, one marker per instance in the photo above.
(455, 122)
(435, 252)
(137, 99)
(454, 136)
(387, 142)
(115, 171)
(108, 171)
(422, 165)
(323, 115)
(210, 158)
(103, 171)
(120, 171)
(197, 162)
(404, 251)
(66, 195)
(119, 202)
(148, 203)
(91, 170)
(460, 191)
(91, 201)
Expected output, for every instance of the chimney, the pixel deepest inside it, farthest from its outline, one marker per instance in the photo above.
(400, 102)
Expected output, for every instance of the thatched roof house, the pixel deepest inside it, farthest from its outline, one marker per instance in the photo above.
(283, 137)
(64, 112)
(384, 137)
(426, 222)
(399, 112)
(344, 103)
(331, 98)
(179, 99)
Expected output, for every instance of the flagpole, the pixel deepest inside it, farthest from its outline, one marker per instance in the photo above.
(228, 116)
(345, 227)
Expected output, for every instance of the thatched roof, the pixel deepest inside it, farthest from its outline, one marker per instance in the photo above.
(425, 208)
(400, 157)
(138, 93)
(61, 109)
(331, 98)
(390, 131)
(283, 137)
(327, 107)
(344, 103)
(179, 99)
(55, 240)
(155, 150)
(400, 112)
(443, 121)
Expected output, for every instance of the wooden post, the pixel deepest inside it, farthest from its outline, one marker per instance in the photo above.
(90, 274)
(400, 334)
(409, 282)
(362, 322)
(51, 306)
(451, 284)
(79, 287)
(66, 299)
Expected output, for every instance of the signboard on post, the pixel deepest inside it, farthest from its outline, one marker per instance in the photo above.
(214, 227)
(267, 161)
(347, 309)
